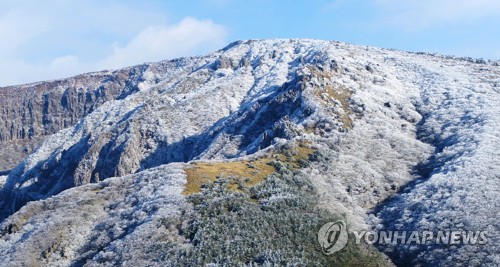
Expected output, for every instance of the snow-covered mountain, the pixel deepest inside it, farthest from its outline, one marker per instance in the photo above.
(197, 160)
(29, 113)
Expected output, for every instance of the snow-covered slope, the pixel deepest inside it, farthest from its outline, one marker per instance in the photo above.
(29, 113)
(459, 187)
(410, 139)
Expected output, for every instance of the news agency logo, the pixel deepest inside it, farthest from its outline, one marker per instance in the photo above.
(333, 236)
(451, 237)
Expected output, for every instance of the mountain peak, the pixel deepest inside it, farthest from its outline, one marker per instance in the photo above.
(287, 128)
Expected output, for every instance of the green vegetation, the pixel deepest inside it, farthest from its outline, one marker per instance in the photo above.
(269, 220)
(271, 223)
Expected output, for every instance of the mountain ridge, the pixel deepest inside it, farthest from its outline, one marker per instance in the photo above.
(372, 116)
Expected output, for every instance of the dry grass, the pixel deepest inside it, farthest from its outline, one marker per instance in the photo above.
(329, 94)
(294, 158)
(342, 95)
(250, 172)
(247, 172)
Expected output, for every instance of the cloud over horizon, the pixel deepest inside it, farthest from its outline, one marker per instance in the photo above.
(190, 36)
(61, 38)
(53, 39)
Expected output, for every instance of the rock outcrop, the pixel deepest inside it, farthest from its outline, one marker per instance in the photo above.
(29, 113)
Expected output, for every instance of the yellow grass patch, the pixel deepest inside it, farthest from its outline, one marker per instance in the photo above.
(251, 172)
(293, 158)
(248, 172)
(328, 93)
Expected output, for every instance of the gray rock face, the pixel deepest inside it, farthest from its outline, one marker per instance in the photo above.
(29, 113)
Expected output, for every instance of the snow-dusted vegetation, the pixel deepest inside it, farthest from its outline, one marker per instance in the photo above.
(382, 138)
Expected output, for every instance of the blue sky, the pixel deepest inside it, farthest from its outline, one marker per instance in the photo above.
(57, 38)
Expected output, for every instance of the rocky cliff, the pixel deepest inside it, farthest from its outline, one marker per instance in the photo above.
(30, 113)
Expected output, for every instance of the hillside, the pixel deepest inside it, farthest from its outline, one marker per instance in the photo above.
(30, 113)
(240, 156)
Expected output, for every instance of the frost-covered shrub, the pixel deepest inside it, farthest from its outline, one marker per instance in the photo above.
(273, 223)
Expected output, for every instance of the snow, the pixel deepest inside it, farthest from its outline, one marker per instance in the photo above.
(461, 119)
(425, 134)
(69, 221)
(3, 179)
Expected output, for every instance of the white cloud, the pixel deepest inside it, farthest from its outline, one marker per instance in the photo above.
(60, 38)
(17, 28)
(188, 37)
(419, 14)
